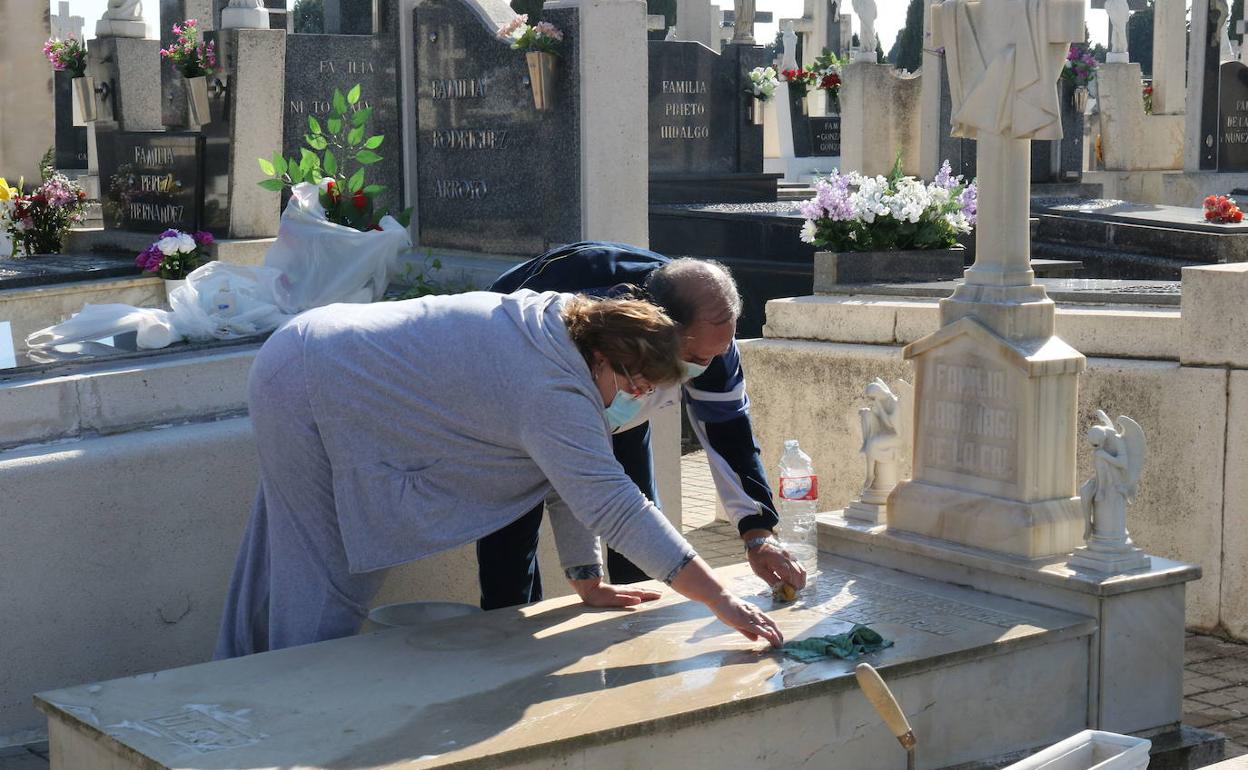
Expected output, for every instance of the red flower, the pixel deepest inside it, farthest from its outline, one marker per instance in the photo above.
(359, 200)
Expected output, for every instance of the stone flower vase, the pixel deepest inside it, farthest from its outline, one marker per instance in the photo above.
(834, 269)
(197, 100)
(1081, 99)
(542, 78)
(83, 93)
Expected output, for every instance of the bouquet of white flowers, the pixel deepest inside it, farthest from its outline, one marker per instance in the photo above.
(763, 83)
(851, 212)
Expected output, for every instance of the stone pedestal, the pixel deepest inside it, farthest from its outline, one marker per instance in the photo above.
(255, 62)
(995, 433)
(1130, 139)
(127, 74)
(880, 117)
(244, 18)
(1136, 682)
(120, 28)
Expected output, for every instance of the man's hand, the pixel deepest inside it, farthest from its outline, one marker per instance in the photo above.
(596, 593)
(774, 564)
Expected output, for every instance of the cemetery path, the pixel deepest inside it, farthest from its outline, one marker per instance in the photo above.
(1215, 677)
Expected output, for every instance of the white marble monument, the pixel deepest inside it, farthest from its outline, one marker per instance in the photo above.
(122, 18)
(1118, 453)
(245, 14)
(64, 25)
(994, 456)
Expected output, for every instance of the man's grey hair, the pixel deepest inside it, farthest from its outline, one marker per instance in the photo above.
(693, 290)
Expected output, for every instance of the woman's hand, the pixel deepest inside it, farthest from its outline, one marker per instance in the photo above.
(596, 593)
(699, 583)
(749, 620)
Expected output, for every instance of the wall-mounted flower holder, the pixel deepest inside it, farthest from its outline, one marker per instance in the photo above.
(756, 111)
(542, 78)
(83, 93)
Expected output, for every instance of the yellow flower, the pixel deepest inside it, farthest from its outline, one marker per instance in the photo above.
(6, 193)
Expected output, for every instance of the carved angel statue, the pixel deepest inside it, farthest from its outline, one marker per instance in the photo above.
(1119, 14)
(885, 424)
(865, 11)
(124, 10)
(1117, 461)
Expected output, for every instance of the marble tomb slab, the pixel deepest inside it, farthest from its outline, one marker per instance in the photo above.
(521, 687)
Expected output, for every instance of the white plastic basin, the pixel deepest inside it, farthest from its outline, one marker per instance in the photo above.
(1090, 750)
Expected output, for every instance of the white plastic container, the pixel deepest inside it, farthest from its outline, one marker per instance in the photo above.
(1090, 750)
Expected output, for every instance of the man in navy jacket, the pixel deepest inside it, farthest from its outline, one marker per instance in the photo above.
(702, 297)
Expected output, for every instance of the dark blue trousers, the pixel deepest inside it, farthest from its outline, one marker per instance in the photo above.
(507, 559)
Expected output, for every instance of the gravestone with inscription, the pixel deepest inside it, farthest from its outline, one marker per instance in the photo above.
(703, 147)
(493, 173)
(356, 42)
(150, 182)
(1233, 117)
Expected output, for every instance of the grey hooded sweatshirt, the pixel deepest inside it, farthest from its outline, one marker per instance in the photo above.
(445, 418)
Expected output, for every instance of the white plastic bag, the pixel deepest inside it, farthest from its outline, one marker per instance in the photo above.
(155, 327)
(258, 302)
(325, 262)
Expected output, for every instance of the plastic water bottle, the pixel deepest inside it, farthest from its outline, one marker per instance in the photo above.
(799, 500)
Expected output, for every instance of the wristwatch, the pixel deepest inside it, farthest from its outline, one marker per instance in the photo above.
(755, 542)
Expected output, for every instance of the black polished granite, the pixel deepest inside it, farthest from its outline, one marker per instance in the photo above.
(42, 270)
(71, 140)
(494, 173)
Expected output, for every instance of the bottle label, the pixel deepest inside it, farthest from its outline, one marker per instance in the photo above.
(799, 487)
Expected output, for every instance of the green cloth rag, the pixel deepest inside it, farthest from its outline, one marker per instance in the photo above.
(859, 641)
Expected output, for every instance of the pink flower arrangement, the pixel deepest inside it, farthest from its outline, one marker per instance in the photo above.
(175, 254)
(189, 53)
(543, 36)
(68, 55)
(39, 221)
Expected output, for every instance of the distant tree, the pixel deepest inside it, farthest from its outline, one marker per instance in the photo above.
(532, 7)
(1140, 38)
(907, 53)
(773, 49)
(309, 16)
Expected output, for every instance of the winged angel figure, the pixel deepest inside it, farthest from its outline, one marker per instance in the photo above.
(1117, 460)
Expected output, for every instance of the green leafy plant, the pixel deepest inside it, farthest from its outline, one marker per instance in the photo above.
(425, 281)
(336, 158)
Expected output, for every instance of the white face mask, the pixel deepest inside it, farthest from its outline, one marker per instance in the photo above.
(692, 370)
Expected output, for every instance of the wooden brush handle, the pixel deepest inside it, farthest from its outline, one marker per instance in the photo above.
(885, 704)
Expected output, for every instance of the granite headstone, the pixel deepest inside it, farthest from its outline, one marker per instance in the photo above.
(150, 182)
(494, 174)
(825, 136)
(1208, 108)
(1233, 117)
(71, 140)
(695, 95)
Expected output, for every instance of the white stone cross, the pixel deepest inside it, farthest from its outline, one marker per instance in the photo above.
(65, 26)
(1004, 57)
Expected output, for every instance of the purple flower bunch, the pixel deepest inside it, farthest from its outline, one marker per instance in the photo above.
(68, 55)
(189, 53)
(1080, 67)
(852, 212)
(174, 254)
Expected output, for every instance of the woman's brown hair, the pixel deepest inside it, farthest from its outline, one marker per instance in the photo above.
(635, 336)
